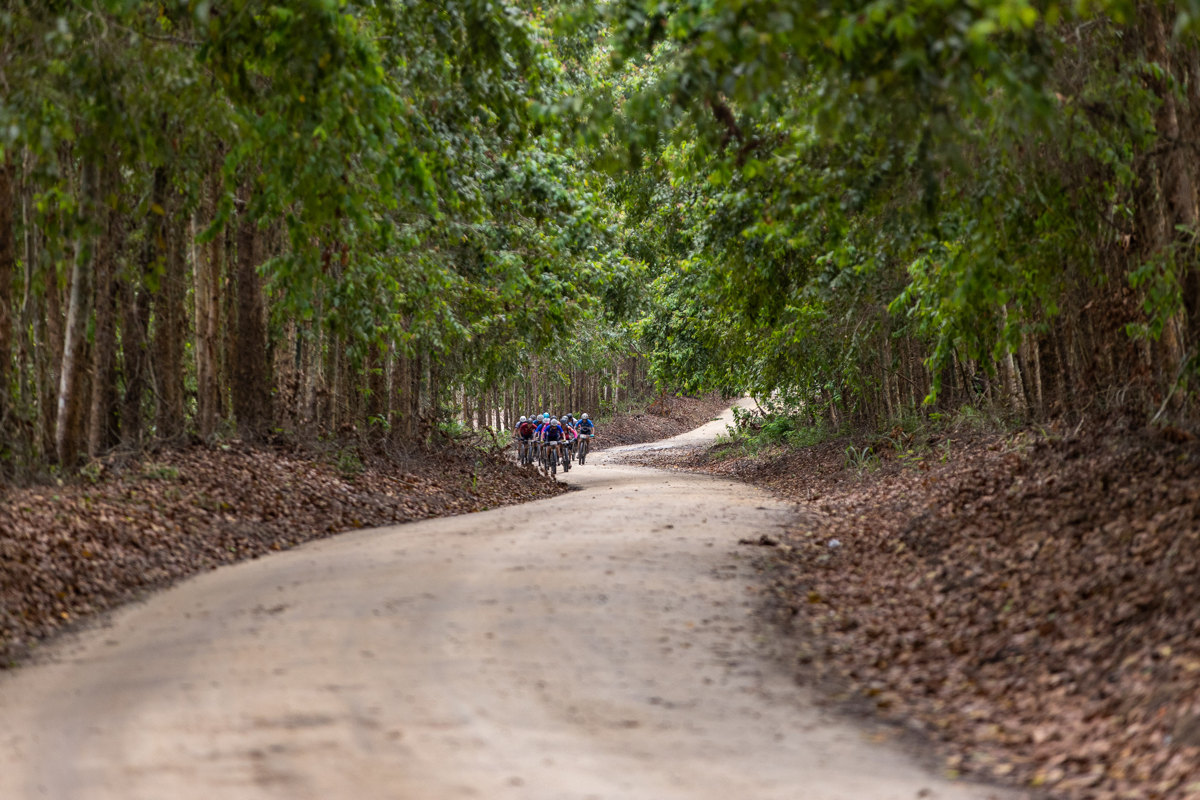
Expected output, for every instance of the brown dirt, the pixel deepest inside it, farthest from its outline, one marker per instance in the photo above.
(667, 416)
(1029, 600)
(68, 552)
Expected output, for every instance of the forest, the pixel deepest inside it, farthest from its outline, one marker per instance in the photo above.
(949, 248)
(273, 219)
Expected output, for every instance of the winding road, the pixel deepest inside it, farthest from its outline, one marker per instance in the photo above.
(595, 645)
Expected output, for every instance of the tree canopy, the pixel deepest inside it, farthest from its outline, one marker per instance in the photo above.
(861, 207)
(321, 213)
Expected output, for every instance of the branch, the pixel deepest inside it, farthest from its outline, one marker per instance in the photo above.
(733, 131)
(155, 37)
(725, 116)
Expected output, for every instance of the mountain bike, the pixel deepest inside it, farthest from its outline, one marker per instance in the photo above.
(584, 445)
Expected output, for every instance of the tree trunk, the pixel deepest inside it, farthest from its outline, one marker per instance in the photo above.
(402, 402)
(50, 363)
(1035, 367)
(376, 386)
(170, 330)
(885, 369)
(424, 399)
(228, 324)
(30, 323)
(105, 417)
(135, 325)
(1176, 206)
(1180, 190)
(251, 381)
(312, 374)
(207, 282)
(8, 268)
(69, 424)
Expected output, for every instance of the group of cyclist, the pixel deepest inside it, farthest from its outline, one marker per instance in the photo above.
(548, 440)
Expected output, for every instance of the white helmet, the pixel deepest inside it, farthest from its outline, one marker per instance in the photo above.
(584, 415)
(522, 419)
(554, 421)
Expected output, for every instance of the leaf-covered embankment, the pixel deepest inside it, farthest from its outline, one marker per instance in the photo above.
(1030, 601)
(68, 552)
(669, 415)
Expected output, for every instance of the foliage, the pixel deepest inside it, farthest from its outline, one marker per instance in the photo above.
(409, 187)
(850, 212)
(886, 201)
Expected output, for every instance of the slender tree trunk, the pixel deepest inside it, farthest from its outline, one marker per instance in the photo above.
(51, 361)
(105, 418)
(251, 381)
(30, 322)
(170, 330)
(8, 268)
(402, 398)
(135, 367)
(424, 393)
(1178, 187)
(68, 430)
(1035, 365)
(336, 386)
(135, 326)
(228, 324)
(1066, 374)
(885, 369)
(208, 268)
(312, 373)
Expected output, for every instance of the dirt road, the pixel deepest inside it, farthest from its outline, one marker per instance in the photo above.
(598, 645)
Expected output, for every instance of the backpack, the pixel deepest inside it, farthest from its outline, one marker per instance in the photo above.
(527, 428)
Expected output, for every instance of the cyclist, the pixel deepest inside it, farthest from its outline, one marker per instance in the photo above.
(568, 441)
(585, 427)
(572, 435)
(542, 422)
(525, 431)
(551, 437)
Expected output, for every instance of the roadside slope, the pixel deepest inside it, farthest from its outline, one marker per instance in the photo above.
(593, 645)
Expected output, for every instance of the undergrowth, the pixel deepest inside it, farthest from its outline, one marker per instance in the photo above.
(914, 437)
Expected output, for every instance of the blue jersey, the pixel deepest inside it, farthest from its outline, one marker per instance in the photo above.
(586, 426)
